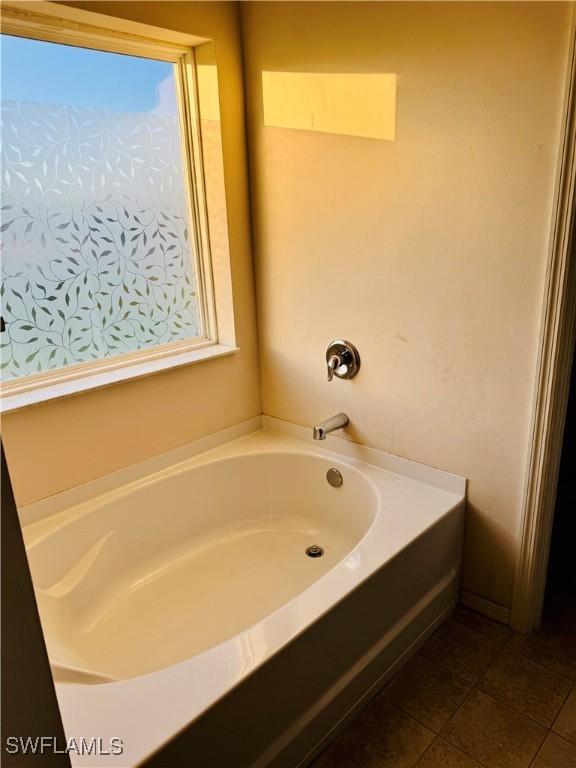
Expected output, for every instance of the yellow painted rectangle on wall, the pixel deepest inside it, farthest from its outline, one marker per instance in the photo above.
(353, 104)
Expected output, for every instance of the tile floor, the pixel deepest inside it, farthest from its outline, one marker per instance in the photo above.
(477, 695)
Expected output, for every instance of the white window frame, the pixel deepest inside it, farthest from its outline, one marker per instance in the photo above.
(58, 24)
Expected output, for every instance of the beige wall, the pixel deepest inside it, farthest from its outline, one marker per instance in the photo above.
(428, 252)
(64, 443)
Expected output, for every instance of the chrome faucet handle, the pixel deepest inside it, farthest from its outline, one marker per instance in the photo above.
(342, 360)
(333, 362)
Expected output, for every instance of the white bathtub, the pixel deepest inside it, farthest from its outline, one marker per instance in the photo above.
(182, 613)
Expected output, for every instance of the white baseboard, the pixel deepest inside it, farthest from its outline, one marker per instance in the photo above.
(487, 607)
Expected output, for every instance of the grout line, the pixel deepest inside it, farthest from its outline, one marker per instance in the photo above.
(539, 749)
(570, 692)
(483, 635)
(423, 725)
(403, 714)
(458, 749)
(410, 716)
(458, 708)
(428, 748)
(505, 646)
(465, 699)
(546, 729)
(396, 706)
(562, 738)
(514, 652)
(542, 664)
(463, 679)
(513, 709)
(548, 669)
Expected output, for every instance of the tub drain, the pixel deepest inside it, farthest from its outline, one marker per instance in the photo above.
(314, 551)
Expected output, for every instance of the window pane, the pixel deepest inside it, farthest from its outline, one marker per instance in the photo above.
(97, 255)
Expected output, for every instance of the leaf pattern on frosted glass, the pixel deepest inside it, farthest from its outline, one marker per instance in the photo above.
(96, 258)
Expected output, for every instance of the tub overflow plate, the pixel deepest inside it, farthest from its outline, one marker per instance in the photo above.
(314, 551)
(334, 477)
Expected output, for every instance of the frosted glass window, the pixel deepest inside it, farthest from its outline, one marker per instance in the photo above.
(97, 254)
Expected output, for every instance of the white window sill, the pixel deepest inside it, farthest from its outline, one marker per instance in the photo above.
(71, 381)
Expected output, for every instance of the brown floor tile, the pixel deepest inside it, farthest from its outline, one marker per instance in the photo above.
(495, 631)
(556, 753)
(443, 755)
(496, 726)
(460, 650)
(565, 723)
(551, 645)
(426, 691)
(333, 758)
(529, 687)
(494, 734)
(383, 737)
